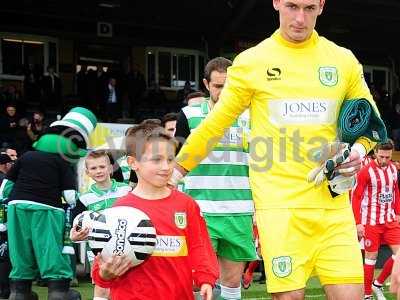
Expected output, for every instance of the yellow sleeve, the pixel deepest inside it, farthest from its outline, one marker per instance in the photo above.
(367, 143)
(358, 89)
(234, 99)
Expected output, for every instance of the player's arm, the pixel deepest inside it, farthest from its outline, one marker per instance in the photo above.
(356, 197)
(357, 194)
(68, 184)
(234, 99)
(395, 276)
(396, 195)
(201, 254)
(357, 88)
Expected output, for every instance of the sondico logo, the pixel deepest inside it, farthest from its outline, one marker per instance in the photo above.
(120, 232)
(274, 74)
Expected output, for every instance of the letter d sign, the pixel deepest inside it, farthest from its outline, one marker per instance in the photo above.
(104, 29)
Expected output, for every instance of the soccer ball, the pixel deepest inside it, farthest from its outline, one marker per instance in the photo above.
(124, 231)
(85, 219)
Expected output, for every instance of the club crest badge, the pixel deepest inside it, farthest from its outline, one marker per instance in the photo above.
(180, 220)
(328, 76)
(282, 266)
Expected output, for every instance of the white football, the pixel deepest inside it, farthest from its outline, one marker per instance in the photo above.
(85, 219)
(124, 230)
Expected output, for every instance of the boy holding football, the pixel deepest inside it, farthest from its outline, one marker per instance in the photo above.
(183, 254)
(100, 195)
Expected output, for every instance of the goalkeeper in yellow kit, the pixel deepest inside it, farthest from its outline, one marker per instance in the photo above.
(294, 83)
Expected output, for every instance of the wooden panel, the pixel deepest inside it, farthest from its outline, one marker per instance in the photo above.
(396, 156)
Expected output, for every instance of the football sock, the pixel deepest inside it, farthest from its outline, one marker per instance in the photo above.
(252, 266)
(228, 293)
(369, 266)
(386, 270)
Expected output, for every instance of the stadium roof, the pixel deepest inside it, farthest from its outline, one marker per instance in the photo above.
(364, 24)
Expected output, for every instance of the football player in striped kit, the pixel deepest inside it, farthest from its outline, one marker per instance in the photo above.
(376, 207)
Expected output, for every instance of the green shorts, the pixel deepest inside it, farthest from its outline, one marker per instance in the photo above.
(35, 234)
(232, 236)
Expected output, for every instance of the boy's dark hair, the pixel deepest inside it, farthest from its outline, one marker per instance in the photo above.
(97, 154)
(141, 134)
(169, 117)
(389, 145)
(219, 64)
(195, 95)
(151, 121)
(128, 130)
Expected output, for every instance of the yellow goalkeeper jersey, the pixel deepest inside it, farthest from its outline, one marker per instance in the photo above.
(294, 93)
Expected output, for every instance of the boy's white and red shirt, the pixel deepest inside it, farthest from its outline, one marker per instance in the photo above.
(183, 254)
(375, 198)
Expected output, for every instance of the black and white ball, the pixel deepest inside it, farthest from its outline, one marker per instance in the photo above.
(126, 230)
(85, 219)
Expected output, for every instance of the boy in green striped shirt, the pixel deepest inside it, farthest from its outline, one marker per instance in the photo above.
(100, 195)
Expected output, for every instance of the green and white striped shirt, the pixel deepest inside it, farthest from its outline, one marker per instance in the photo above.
(96, 199)
(220, 183)
(125, 168)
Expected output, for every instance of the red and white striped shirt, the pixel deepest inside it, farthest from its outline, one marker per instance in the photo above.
(366, 160)
(375, 198)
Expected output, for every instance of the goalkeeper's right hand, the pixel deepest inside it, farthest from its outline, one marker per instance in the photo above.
(175, 178)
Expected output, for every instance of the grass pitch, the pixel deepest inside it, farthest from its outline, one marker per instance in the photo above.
(255, 292)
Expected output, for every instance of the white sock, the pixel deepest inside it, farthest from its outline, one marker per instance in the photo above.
(230, 293)
(99, 298)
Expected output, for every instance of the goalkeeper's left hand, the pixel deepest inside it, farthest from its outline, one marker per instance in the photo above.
(339, 164)
(346, 178)
(351, 165)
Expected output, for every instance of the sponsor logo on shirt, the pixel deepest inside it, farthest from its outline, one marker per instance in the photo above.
(328, 76)
(386, 196)
(167, 245)
(274, 74)
(303, 111)
(232, 137)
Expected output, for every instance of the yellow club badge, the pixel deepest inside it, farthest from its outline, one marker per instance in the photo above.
(180, 220)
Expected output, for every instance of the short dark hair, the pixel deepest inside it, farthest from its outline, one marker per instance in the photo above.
(38, 112)
(142, 134)
(11, 104)
(389, 145)
(151, 121)
(169, 117)
(219, 64)
(97, 154)
(195, 95)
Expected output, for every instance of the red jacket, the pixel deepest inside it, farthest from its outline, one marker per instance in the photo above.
(183, 254)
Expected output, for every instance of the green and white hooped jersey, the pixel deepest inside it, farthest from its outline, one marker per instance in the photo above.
(125, 168)
(220, 183)
(96, 200)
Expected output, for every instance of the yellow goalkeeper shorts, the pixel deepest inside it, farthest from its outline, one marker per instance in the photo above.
(297, 243)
